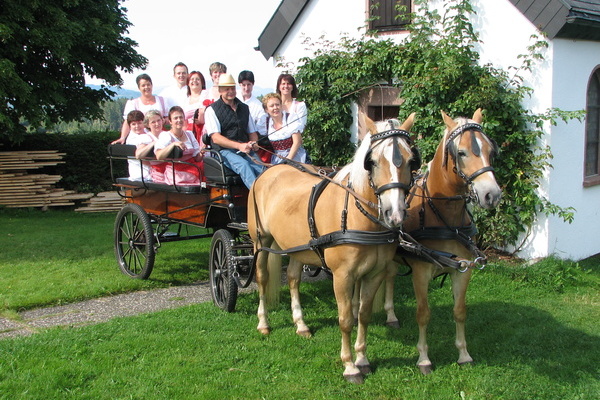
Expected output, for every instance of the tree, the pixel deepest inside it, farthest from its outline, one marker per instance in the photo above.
(47, 49)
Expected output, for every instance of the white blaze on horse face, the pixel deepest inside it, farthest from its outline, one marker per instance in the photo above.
(392, 201)
(485, 186)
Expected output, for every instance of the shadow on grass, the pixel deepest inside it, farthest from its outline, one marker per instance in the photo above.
(499, 334)
(176, 267)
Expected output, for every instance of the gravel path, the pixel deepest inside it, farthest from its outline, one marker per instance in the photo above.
(104, 308)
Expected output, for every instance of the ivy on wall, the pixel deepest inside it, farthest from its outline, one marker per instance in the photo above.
(437, 68)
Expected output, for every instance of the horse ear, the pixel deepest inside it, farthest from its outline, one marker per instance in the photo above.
(362, 124)
(448, 120)
(408, 123)
(478, 116)
(369, 125)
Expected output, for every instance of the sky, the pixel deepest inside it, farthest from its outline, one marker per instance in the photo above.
(199, 32)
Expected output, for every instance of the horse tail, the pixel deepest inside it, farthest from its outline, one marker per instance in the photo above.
(273, 288)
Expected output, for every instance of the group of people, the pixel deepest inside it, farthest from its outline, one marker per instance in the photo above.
(186, 111)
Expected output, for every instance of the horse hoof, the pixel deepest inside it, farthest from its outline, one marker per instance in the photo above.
(264, 331)
(305, 333)
(466, 363)
(364, 369)
(358, 379)
(393, 324)
(426, 369)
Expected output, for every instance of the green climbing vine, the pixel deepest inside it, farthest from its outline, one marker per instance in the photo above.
(437, 68)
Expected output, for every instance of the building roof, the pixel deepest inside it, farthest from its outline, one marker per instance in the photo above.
(569, 19)
(279, 25)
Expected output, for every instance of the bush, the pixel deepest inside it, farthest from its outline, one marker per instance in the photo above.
(437, 68)
(85, 167)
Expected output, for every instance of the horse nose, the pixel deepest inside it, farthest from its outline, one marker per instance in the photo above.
(395, 217)
(492, 198)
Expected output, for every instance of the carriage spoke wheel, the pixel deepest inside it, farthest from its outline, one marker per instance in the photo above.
(244, 265)
(221, 266)
(134, 242)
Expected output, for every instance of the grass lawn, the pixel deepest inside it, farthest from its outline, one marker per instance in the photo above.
(533, 332)
(60, 256)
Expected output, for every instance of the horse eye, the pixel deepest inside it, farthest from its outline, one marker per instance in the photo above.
(462, 153)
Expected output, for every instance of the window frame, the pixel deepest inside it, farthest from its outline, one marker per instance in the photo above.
(388, 21)
(592, 127)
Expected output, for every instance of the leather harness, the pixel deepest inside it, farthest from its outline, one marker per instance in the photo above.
(348, 236)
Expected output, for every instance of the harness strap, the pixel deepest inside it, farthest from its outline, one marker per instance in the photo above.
(475, 174)
(336, 238)
(393, 185)
(315, 193)
(462, 234)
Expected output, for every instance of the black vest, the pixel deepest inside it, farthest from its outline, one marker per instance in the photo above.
(234, 124)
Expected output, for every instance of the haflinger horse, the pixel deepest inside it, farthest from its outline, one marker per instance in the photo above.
(302, 213)
(461, 172)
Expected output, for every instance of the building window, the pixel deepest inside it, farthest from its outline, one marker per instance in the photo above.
(592, 132)
(380, 113)
(386, 15)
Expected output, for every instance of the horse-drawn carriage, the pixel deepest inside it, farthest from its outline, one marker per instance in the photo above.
(157, 213)
(350, 224)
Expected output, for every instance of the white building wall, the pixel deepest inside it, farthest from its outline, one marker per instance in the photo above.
(323, 19)
(574, 61)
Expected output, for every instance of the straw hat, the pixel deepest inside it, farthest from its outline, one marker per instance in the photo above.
(226, 80)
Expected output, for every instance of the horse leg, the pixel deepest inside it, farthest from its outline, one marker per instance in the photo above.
(356, 301)
(390, 276)
(262, 280)
(294, 276)
(460, 282)
(422, 273)
(343, 287)
(369, 288)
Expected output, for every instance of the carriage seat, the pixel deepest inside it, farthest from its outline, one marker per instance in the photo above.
(214, 169)
(160, 187)
(125, 151)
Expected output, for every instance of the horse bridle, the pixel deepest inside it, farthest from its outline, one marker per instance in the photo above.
(397, 159)
(450, 147)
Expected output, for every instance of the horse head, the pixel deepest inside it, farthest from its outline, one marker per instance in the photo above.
(471, 153)
(388, 163)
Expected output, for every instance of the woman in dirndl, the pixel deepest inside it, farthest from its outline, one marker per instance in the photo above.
(190, 173)
(285, 135)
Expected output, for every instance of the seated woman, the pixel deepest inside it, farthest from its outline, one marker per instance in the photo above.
(183, 174)
(153, 121)
(138, 138)
(285, 138)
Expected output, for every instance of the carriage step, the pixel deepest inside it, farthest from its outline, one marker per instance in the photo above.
(241, 226)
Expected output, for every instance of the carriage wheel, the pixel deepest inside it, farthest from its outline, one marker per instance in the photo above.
(134, 242)
(222, 270)
(244, 264)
